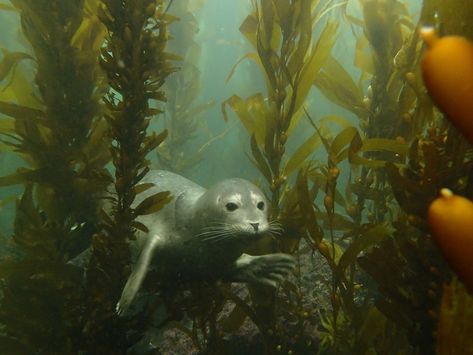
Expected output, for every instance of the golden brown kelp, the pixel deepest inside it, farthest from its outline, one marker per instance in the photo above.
(393, 100)
(59, 134)
(455, 321)
(136, 66)
(369, 149)
(441, 159)
(281, 33)
(450, 17)
(345, 323)
(406, 266)
(60, 139)
(182, 114)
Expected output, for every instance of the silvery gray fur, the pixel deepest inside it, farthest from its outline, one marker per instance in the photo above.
(202, 234)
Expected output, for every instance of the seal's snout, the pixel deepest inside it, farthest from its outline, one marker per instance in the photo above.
(255, 226)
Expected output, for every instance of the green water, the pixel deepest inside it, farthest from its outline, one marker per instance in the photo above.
(321, 104)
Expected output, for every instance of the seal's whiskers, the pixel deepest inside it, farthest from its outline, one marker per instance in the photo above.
(216, 231)
(220, 232)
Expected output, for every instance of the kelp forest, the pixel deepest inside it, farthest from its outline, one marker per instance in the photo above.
(349, 150)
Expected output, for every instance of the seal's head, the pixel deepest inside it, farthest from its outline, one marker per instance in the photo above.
(232, 208)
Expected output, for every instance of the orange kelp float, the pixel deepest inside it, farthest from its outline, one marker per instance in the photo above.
(451, 222)
(447, 69)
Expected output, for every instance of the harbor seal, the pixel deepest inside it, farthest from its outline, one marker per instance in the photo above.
(201, 235)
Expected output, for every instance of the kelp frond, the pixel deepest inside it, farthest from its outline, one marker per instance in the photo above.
(136, 66)
(57, 129)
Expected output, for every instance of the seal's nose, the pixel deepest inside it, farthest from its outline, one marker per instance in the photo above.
(255, 226)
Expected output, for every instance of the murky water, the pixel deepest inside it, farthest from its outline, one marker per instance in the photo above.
(319, 106)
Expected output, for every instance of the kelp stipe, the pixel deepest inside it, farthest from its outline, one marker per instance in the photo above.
(400, 153)
(46, 306)
(136, 65)
(393, 111)
(290, 59)
(392, 105)
(383, 115)
(439, 158)
(182, 112)
(405, 264)
(455, 321)
(59, 135)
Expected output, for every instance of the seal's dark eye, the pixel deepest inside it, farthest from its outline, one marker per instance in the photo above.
(231, 206)
(260, 205)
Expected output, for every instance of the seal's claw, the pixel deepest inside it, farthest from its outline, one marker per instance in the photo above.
(264, 269)
(267, 282)
(118, 309)
(123, 304)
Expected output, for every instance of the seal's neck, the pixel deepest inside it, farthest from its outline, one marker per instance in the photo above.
(185, 206)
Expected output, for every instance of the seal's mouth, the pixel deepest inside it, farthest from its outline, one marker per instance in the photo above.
(254, 229)
(219, 232)
(255, 232)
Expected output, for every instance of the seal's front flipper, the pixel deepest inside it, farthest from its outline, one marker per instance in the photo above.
(136, 277)
(264, 269)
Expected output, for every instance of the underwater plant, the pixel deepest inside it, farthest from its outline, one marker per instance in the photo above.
(54, 124)
(281, 33)
(449, 221)
(294, 206)
(406, 266)
(381, 143)
(388, 220)
(454, 325)
(182, 112)
(136, 64)
(448, 85)
(66, 136)
(289, 58)
(448, 215)
(79, 104)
